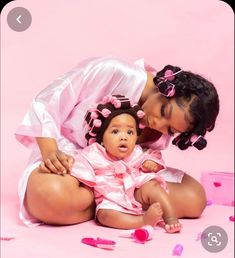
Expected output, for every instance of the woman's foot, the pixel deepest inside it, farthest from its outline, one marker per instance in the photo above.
(172, 225)
(153, 214)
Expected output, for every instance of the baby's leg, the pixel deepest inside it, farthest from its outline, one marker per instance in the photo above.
(151, 192)
(117, 219)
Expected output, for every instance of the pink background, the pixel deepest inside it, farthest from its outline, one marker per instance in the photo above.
(195, 35)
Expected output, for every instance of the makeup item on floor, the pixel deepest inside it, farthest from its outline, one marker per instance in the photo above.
(178, 249)
(7, 238)
(140, 235)
(99, 242)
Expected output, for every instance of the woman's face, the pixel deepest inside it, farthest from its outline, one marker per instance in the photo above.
(165, 115)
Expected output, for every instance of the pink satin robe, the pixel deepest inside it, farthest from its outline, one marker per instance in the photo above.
(115, 181)
(58, 110)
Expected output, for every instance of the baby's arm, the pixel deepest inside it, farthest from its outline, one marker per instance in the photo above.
(151, 166)
(152, 161)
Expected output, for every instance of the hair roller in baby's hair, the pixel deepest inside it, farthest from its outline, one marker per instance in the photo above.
(97, 119)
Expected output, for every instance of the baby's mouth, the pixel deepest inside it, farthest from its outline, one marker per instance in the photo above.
(123, 147)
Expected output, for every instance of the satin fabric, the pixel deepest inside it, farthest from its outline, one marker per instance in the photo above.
(58, 110)
(115, 181)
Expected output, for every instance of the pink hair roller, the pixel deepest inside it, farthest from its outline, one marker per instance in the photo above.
(116, 103)
(140, 114)
(169, 75)
(171, 93)
(97, 123)
(105, 112)
(94, 115)
(91, 140)
(141, 126)
(106, 99)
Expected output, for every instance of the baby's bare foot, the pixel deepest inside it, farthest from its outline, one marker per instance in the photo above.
(172, 225)
(153, 214)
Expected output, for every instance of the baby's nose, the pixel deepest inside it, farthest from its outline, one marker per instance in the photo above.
(123, 136)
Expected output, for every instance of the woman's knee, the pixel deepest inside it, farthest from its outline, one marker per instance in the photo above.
(55, 198)
(196, 199)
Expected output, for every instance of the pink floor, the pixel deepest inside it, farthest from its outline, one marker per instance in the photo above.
(50, 242)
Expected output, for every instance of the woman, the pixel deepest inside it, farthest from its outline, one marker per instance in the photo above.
(174, 101)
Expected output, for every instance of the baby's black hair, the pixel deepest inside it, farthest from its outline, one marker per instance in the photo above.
(97, 119)
(203, 102)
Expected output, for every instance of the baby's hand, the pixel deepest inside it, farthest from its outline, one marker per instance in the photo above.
(151, 166)
(57, 162)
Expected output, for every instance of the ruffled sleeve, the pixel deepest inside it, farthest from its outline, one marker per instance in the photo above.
(138, 156)
(154, 155)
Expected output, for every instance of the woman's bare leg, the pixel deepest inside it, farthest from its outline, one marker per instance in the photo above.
(188, 197)
(116, 219)
(59, 200)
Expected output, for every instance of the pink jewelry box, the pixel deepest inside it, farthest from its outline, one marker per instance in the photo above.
(219, 187)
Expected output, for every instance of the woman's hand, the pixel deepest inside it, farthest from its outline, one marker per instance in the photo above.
(57, 162)
(53, 159)
(151, 166)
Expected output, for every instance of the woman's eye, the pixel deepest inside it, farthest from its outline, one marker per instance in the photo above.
(115, 131)
(162, 110)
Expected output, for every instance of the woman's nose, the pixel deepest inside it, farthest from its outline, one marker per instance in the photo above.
(161, 126)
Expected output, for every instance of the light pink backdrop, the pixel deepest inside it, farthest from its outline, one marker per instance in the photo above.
(196, 35)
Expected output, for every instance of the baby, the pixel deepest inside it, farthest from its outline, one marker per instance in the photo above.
(129, 193)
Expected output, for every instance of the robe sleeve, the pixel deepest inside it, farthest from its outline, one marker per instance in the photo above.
(83, 171)
(154, 155)
(82, 87)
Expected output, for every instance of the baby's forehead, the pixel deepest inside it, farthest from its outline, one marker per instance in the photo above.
(123, 119)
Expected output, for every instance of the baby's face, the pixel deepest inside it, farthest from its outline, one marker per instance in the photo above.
(120, 136)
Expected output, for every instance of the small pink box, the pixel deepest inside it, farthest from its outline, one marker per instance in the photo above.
(219, 187)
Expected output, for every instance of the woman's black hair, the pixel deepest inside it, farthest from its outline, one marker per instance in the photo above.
(202, 98)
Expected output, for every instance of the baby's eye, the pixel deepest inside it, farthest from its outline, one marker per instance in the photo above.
(131, 132)
(114, 131)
